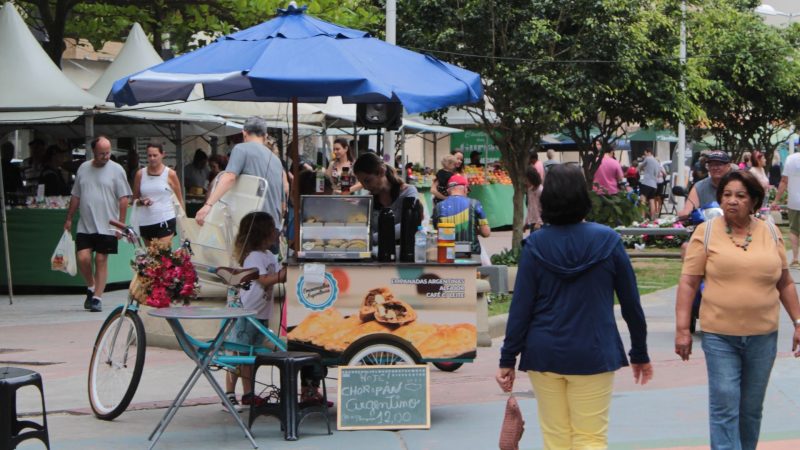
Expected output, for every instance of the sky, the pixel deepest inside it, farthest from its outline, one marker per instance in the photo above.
(786, 6)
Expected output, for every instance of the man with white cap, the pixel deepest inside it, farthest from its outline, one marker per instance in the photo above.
(705, 191)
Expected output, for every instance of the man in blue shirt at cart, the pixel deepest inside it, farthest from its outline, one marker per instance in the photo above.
(466, 213)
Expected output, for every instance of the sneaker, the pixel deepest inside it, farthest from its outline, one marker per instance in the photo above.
(795, 265)
(96, 305)
(253, 400)
(87, 304)
(236, 405)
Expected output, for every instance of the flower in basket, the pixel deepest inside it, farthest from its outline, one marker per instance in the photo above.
(164, 276)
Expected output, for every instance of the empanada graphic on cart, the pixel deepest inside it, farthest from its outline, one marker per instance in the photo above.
(450, 341)
(317, 324)
(381, 305)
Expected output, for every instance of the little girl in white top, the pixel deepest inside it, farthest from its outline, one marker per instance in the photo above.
(257, 233)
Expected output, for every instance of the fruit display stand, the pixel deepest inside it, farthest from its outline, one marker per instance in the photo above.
(494, 190)
(33, 234)
(497, 201)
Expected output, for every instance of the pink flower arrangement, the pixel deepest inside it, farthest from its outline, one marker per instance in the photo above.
(164, 276)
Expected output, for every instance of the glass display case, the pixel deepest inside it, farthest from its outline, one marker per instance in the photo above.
(335, 227)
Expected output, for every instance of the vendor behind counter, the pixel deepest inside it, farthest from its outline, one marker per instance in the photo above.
(387, 189)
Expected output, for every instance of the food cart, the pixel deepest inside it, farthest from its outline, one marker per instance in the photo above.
(352, 309)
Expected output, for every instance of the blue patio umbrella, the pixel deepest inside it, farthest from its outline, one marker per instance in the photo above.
(295, 57)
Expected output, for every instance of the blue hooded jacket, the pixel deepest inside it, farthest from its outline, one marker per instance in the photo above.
(562, 313)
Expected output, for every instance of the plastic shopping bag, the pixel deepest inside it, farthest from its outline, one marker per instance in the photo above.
(63, 259)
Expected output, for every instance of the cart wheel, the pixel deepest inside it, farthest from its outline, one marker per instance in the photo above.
(380, 353)
(116, 365)
(448, 366)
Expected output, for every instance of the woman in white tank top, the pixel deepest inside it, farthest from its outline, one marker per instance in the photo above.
(152, 191)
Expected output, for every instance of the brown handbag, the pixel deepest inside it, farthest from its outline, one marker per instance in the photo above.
(513, 426)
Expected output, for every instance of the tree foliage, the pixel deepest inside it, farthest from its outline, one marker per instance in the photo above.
(497, 39)
(588, 66)
(187, 24)
(745, 76)
(624, 69)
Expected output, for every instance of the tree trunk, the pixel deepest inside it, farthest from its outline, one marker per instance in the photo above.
(54, 25)
(519, 215)
(514, 148)
(55, 46)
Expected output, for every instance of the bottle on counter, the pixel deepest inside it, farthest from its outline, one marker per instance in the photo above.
(433, 247)
(409, 223)
(446, 243)
(345, 180)
(420, 245)
(336, 181)
(386, 248)
(320, 180)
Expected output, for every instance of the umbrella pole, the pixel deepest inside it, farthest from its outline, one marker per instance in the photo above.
(5, 240)
(295, 174)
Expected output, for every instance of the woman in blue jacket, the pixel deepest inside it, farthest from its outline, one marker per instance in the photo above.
(562, 317)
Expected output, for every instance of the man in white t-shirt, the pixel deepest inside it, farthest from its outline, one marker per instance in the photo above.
(791, 180)
(101, 192)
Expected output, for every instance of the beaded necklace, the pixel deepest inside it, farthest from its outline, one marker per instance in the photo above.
(747, 240)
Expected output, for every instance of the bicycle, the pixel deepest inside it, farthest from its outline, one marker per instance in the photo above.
(112, 380)
(117, 362)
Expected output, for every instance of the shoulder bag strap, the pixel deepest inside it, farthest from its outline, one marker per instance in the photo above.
(707, 235)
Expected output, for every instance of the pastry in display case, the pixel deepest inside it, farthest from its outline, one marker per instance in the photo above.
(335, 227)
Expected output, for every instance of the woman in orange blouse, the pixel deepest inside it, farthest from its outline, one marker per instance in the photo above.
(743, 262)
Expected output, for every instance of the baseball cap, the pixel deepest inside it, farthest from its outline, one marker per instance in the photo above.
(457, 180)
(719, 156)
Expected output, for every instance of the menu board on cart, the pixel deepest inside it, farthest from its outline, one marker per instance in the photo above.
(383, 397)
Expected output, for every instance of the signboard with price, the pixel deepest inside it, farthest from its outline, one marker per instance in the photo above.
(383, 397)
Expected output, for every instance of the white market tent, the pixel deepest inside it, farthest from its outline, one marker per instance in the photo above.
(32, 88)
(138, 54)
(35, 94)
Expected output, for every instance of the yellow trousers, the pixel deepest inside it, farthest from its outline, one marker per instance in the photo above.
(573, 409)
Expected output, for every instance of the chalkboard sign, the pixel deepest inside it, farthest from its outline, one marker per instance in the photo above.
(383, 397)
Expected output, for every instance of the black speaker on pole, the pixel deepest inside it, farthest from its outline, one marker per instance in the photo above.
(380, 115)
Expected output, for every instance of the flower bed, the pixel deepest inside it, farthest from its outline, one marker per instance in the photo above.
(660, 241)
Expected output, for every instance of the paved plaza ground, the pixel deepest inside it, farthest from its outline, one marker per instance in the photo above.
(54, 336)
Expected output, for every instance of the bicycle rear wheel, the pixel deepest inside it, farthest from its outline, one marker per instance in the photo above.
(116, 365)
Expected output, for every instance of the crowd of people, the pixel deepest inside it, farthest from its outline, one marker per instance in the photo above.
(561, 328)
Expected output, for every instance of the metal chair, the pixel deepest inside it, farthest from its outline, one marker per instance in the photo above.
(668, 196)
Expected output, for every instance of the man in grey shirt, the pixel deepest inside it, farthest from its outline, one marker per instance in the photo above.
(251, 157)
(551, 160)
(101, 191)
(648, 181)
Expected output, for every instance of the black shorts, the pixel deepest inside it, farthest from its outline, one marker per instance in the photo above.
(99, 243)
(648, 192)
(158, 230)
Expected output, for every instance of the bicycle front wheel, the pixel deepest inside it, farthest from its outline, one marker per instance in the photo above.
(117, 363)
